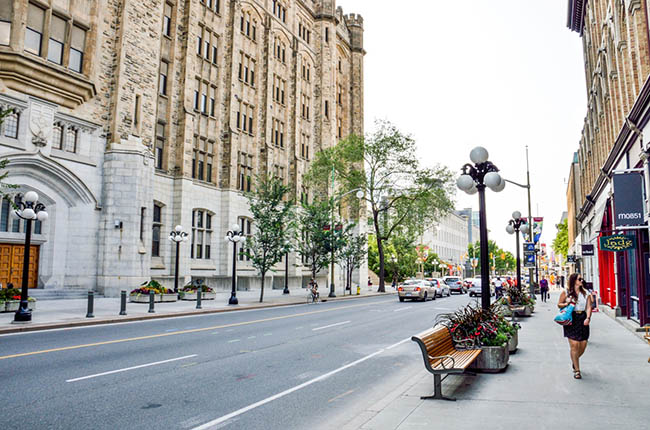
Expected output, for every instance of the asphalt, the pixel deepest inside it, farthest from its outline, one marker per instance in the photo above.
(537, 390)
(54, 314)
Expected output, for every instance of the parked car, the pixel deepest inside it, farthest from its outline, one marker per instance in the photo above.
(455, 284)
(416, 289)
(442, 289)
(476, 288)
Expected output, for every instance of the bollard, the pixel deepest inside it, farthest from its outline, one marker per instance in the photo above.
(123, 303)
(198, 297)
(152, 297)
(91, 303)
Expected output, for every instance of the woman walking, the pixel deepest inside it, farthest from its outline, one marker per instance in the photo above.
(578, 331)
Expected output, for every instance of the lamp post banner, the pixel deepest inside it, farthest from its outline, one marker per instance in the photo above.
(538, 223)
(628, 199)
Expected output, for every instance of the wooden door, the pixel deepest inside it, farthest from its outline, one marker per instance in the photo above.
(11, 265)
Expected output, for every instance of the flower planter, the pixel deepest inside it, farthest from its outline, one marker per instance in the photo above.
(528, 311)
(31, 305)
(144, 298)
(492, 359)
(12, 305)
(513, 342)
(204, 296)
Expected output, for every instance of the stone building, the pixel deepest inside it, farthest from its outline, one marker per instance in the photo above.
(130, 117)
(615, 41)
(449, 239)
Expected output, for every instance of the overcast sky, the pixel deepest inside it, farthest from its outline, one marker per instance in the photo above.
(502, 74)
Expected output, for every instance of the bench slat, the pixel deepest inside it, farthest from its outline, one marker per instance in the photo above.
(438, 343)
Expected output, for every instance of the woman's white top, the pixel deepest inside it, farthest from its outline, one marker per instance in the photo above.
(581, 305)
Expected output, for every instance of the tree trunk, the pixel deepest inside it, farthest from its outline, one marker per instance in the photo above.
(380, 251)
(262, 289)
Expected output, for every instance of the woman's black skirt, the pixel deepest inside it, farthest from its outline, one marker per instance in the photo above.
(577, 330)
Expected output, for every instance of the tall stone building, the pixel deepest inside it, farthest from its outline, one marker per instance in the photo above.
(132, 116)
(612, 148)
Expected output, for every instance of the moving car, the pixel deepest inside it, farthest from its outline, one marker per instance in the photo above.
(416, 289)
(455, 284)
(442, 289)
(476, 288)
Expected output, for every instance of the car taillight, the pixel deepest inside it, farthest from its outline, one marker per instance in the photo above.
(417, 288)
(400, 289)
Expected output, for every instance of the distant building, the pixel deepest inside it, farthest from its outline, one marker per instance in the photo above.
(449, 239)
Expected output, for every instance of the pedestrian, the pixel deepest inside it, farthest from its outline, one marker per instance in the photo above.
(543, 288)
(578, 331)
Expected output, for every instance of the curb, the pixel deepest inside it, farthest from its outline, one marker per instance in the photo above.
(196, 312)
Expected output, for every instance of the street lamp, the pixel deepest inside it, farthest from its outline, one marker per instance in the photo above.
(235, 235)
(474, 179)
(28, 209)
(516, 224)
(359, 194)
(177, 235)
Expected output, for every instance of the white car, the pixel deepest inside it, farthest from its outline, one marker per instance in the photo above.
(416, 289)
(442, 289)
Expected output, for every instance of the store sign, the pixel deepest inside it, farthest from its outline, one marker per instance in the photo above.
(617, 243)
(587, 250)
(628, 199)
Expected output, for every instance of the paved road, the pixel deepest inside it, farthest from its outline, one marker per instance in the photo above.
(277, 368)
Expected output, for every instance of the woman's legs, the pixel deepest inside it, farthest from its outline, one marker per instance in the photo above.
(582, 348)
(575, 353)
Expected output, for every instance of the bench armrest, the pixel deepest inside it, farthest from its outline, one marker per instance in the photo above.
(442, 360)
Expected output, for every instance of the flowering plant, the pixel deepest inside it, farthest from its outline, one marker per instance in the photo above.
(473, 327)
(154, 286)
(192, 289)
(517, 296)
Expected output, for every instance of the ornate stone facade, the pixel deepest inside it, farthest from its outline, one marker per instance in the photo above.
(134, 116)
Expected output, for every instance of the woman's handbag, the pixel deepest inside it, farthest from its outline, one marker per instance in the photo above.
(564, 317)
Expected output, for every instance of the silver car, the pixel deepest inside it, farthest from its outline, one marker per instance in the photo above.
(416, 289)
(442, 289)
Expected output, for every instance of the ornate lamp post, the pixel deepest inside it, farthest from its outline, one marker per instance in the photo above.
(474, 179)
(178, 236)
(235, 235)
(29, 210)
(516, 224)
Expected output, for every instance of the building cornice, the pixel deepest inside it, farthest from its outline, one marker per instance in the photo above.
(576, 15)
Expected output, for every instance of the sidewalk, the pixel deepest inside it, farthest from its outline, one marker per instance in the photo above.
(71, 313)
(536, 391)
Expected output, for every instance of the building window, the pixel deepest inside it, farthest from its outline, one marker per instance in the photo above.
(77, 47)
(202, 158)
(167, 20)
(327, 109)
(327, 34)
(244, 172)
(156, 229)
(201, 234)
(162, 82)
(71, 136)
(7, 224)
(10, 125)
(246, 226)
(34, 30)
(246, 69)
(6, 13)
(160, 145)
(57, 40)
(57, 136)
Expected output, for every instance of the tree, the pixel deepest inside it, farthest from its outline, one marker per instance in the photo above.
(314, 241)
(399, 193)
(501, 261)
(351, 255)
(561, 241)
(272, 221)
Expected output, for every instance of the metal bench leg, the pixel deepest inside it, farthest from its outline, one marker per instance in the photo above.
(437, 390)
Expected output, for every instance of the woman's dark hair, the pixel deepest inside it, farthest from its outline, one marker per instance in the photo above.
(572, 283)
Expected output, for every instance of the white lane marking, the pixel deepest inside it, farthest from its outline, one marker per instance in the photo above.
(398, 343)
(234, 340)
(251, 337)
(290, 390)
(328, 326)
(402, 309)
(268, 334)
(130, 368)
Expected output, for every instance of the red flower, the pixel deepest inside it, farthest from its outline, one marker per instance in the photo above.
(15, 298)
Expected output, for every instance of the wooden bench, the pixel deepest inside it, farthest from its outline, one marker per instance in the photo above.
(441, 357)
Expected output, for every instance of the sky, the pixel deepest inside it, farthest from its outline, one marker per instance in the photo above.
(501, 74)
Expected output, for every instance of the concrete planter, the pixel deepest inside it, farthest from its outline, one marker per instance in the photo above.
(12, 305)
(144, 298)
(492, 359)
(204, 296)
(513, 342)
(528, 311)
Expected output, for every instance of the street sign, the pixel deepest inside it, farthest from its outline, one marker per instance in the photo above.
(529, 247)
(529, 260)
(571, 259)
(587, 250)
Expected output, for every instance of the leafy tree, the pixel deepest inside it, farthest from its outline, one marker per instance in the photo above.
(501, 261)
(314, 242)
(399, 193)
(351, 255)
(561, 241)
(272, 220)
